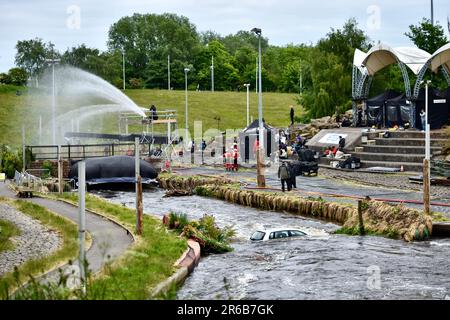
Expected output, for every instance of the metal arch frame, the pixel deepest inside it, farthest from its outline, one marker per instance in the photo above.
(446, 74)
(419, 80)
(405, 79)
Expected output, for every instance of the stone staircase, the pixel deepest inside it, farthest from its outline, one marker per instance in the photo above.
(402, 148)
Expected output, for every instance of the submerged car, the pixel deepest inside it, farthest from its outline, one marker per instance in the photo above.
(265, 235)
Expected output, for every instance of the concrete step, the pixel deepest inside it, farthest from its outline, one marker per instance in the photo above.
(437, 134)
(408, 142)
(400, 149)
(407, 166)
(389, 157)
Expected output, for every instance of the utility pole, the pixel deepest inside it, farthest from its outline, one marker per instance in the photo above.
(212, 74)
(426, 161)
(137, 166)
(82, 221)
(53, 61)
(123, 67)
(24, 159)
(260, 153)
(168, 72)
(247, 85)
(432, 13)
(256, 81)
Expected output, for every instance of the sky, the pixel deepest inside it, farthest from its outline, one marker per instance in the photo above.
(68, 23)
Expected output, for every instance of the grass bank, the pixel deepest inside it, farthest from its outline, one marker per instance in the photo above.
(203, 106)
(148, 261)
(68, 250)
(7, 231)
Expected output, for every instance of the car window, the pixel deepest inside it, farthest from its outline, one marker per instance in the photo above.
(257, 236)
(296, 233)
(281, 234)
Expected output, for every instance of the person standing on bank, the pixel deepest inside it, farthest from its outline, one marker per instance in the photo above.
(283, 174)
(423, 119)
(292, 115)
(293, 177)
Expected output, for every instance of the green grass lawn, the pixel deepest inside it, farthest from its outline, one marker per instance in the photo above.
(7, 231)
(148, 261)
(203, 106)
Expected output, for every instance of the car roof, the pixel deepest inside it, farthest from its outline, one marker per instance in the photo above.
(278, 229)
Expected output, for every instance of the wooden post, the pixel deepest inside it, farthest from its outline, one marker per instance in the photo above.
(360, 217)
(426, 186)
(259, 167)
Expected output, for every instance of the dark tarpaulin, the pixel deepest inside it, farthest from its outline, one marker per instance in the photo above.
(113, 169)
(438, 107)
(376, 104)
(399, 111)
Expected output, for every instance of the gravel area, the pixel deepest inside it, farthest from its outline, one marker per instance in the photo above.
(35, 240)
(391, 181)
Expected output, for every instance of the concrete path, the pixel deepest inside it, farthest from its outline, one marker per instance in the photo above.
(108, 239)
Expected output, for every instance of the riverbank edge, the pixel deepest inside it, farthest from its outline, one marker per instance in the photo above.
(393, 221)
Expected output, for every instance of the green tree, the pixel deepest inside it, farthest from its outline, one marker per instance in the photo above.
(427, 36)
(148, 39)
(18, 76)
(31, 55)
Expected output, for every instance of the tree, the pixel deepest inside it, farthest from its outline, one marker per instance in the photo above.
(427, 36)
(330, 64)
(79, 56)
(149, 38)
(31, 55)
(18, 76)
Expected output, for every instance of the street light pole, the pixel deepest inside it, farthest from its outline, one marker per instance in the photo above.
(123, 67)
(186, 70)
(260, 156)
(212, 74)
(247, 85)
(53, 61)
(168, 72)
(426, 161)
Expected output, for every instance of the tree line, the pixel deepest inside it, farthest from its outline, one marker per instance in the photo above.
(320, 74)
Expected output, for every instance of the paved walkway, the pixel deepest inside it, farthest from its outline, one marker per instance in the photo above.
(108, 239)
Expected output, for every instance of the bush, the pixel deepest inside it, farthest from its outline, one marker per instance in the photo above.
(18, 76)
(5, 78)
(48, 166)
(136, 83)
(10, 161)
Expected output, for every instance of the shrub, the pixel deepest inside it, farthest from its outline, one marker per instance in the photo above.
(18, 76)
(48, 166)
(10, 161)
(136, 83)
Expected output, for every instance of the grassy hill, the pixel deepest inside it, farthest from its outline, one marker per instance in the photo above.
(204, 106)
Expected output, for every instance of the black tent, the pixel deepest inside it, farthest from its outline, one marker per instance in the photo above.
(249, 136)
(438, 107)
(116, 169)
(399, 111)
(375, 106)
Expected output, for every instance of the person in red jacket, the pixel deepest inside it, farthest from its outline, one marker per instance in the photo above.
(235, 156)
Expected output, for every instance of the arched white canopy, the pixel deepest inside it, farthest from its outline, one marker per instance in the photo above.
(383, 55)
(441, 58)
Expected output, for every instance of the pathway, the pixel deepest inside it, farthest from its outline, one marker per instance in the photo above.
(108, 239)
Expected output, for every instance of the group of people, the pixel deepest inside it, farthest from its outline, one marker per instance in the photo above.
(336, 152)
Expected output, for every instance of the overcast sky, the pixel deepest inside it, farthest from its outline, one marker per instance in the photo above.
(282, 21)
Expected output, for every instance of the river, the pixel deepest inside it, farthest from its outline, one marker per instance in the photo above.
(319, 266)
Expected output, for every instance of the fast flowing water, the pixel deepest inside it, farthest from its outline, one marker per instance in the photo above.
(320, 266)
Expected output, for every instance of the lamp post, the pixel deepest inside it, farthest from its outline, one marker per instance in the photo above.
(168, 72)
(53, 61)
(212, 74)
(186, 70)
(123, 67)
(260, 156)
(247, 85)
(426, 161)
